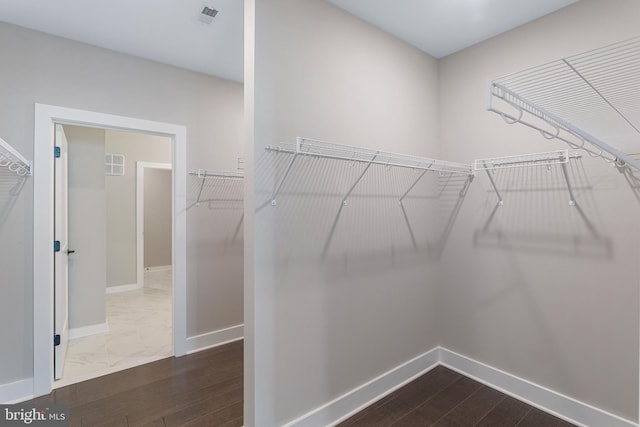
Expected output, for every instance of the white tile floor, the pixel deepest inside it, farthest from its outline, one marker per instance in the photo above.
(140, 331)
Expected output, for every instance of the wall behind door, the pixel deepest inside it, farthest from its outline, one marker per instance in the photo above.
(121, 200)
(157, 217)
(87, 226)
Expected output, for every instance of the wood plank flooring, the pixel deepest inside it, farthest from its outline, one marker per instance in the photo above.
(444, 398)
(205, 389)
(202, 389)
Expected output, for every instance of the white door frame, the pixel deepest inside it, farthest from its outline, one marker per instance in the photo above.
(140, 167)
(43, 194)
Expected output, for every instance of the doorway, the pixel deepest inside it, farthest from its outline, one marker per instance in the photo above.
(117, 319)
(45, 119)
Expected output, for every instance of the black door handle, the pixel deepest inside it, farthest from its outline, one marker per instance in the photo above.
(69, 252)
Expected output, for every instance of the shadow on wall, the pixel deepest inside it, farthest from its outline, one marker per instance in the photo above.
(10, 187)
(357, 217)
(536, 215)
(633, 179)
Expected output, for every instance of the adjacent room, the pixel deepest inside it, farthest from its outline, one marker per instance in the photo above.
(322, 212)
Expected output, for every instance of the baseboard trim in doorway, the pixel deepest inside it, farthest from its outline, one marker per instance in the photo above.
(123, 288)
(111, 370)
(214, 338)
(86, 331)
(359, 398)
(159, 268)
(16, 392)
(567, 408)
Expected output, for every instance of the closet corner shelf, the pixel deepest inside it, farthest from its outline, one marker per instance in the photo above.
(205, 174)
(559, 157)
(330, 150)
(575, 98)
(13, 160)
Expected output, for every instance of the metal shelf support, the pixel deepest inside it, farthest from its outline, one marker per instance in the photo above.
(560, 157)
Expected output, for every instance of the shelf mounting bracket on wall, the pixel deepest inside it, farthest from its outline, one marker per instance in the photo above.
(415, 182)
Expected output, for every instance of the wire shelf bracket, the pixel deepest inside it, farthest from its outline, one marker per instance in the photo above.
(13, 160)
(205, 174)
(329, 150)
(560, 157)
(578, 97)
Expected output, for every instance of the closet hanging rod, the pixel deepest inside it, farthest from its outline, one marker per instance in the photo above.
(533, 159)
(13, 160)
(560, 157)
(578, 97)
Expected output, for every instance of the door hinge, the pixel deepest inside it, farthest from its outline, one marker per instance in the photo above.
(56, 152)
(56, 340)
(56, 246)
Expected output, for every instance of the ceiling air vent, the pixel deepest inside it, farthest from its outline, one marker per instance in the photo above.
(207, 14)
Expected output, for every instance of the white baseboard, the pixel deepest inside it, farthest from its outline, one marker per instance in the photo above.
(159, 268)
(85, 331)
(16, 392)
(359, 398)
(564, 407)
(214, 339)
(122, 288)
(561, 406)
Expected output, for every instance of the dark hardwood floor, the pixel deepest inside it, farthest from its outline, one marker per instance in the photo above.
(202, 389)
(205, 389)
(444, 398)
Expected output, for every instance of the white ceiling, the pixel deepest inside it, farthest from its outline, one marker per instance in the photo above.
(442, 27)
(169, 31)
(166, 31)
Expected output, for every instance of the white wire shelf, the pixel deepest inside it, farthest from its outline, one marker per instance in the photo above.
(547, 159)
(11, 159)
(583, 100)
(534, 159)
(208, 175)
(331, 150)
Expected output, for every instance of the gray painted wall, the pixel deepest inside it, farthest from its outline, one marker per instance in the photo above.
(121, 200)
(157, 217)
(550, 301)
(87, 226)
(323, 325)
(56, 71)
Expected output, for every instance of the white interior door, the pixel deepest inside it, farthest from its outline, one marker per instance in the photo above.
(61, 255)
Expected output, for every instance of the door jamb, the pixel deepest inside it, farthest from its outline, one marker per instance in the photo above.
(44, 133)
(140, 167)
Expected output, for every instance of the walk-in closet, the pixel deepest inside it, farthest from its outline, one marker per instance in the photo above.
(487, 273)
(382, 213)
